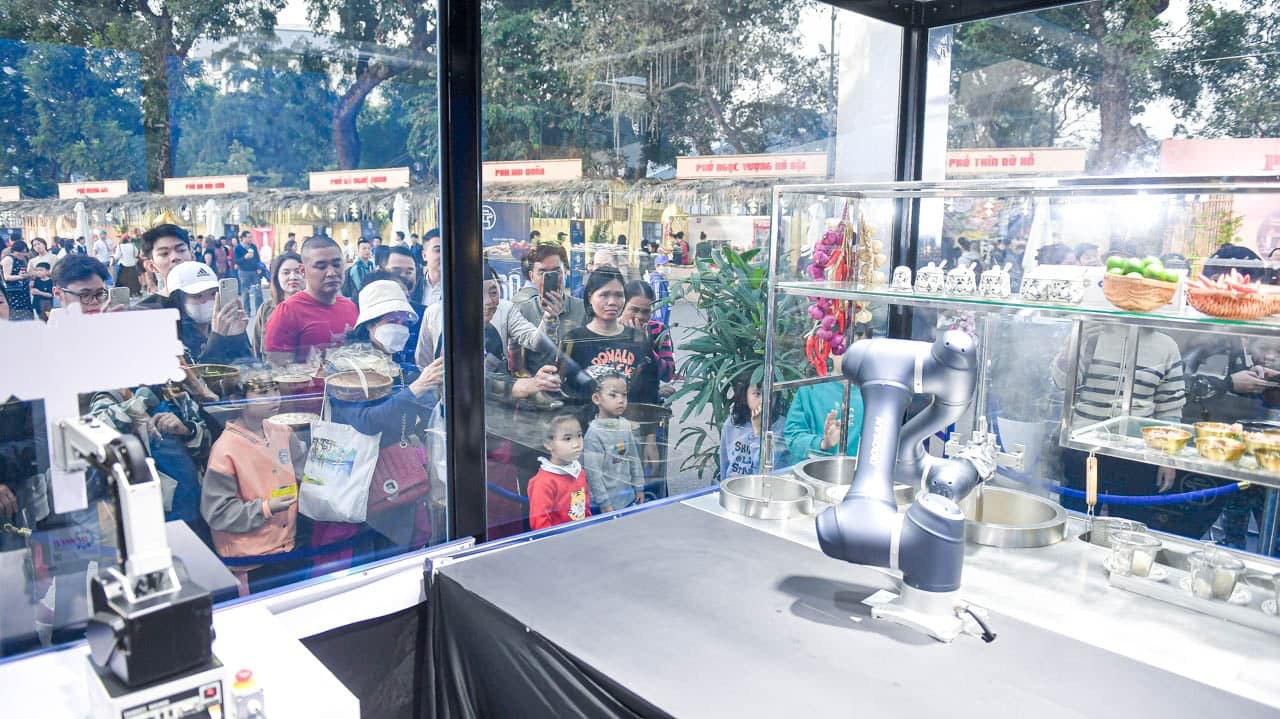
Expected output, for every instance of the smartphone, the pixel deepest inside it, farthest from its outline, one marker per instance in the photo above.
(228, 291)
(551, 281)
(119, 298)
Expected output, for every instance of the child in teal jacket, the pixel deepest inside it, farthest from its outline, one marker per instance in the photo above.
(813, 422)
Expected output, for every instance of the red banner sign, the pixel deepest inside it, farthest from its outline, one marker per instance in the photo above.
(532, 171)
(220, 185)
(381, 179)
(1016, 161)
(92, 190)
(805, 164)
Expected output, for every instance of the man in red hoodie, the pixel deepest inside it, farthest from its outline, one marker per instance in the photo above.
(558, 492)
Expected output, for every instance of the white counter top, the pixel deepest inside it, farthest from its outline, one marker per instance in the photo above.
(1063, 588)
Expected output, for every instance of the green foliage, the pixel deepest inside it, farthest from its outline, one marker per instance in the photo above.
(76, 115)
(271, 120)
(1221, 70)
(730, 292)
(600, 234)
(1033, 82)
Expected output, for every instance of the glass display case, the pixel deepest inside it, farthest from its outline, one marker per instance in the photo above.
(1115, 319)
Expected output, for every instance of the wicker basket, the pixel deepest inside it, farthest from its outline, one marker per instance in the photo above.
(1137, 294)
(1233, 305)
(357, 385)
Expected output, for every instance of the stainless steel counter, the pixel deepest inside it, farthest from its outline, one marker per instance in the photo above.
(1063, 588)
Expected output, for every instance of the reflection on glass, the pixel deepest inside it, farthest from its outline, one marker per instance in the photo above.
(266, 171)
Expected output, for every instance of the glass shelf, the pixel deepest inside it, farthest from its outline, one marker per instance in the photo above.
(1171, 317)
(1122, 437)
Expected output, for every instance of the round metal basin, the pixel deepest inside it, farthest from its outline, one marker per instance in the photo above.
(762, 496)
(999, 517)
(831, 477)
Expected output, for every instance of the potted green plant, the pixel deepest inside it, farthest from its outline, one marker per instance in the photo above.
(731, 290)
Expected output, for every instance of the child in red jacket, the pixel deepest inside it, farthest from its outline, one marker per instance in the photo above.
(558, 492)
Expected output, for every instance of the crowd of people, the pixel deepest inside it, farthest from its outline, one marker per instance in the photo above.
(238, 478)
(582, 372)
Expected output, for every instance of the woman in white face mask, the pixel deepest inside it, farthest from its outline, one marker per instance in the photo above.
(398, 418)
(386, 320)
(210, 333)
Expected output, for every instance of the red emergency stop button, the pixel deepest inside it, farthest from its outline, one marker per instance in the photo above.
(210, 692)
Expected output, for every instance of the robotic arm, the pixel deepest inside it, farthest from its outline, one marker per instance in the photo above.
(141, 542)
(927, 542)
(144, 625)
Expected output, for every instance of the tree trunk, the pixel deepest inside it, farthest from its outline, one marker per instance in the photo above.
(1112, 95)
(346, 140)
(157, 131)
(1122, 51)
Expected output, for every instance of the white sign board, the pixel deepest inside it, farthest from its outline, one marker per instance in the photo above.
(380, 179)
(1016, 161)
(51, 368)
(219, 185)
(92, 190)
(10, 193)
(532, 171)
(803, 164)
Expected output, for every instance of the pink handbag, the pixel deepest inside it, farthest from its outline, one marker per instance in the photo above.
(400, 476)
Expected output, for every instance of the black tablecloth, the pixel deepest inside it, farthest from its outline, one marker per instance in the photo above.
(677, 612)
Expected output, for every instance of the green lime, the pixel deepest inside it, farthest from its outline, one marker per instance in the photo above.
(1115, 270)
(1169, 276)
(1152, 260)
(1153, 271)
(1139, 275)
(1132, 265)
(1115, 262)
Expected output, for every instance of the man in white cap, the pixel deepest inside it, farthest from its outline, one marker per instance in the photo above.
(211, 334)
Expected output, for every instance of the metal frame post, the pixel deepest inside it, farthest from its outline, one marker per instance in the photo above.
(770, 318)
(463, 349)
(911, 115)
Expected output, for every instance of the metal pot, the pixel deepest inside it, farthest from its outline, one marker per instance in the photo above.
(764, 496)
(831, 477)
(999, 517)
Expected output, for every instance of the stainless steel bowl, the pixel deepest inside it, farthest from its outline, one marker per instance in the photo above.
(999, 517)
(831, 477)
(763, 496)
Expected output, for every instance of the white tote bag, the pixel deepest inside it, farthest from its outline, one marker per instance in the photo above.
(335, 481)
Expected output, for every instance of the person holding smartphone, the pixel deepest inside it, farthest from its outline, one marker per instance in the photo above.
(213, 328)
(554, 309)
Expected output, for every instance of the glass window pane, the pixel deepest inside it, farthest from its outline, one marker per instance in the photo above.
(268, 174)
(630, 156)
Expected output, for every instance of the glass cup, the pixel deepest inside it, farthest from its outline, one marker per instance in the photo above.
(1214, 574)
(1104, 527)
(1133, 553)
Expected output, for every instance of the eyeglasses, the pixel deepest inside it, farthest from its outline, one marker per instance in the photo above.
(89, 297)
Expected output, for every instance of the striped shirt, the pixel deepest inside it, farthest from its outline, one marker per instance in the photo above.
(1158, 387)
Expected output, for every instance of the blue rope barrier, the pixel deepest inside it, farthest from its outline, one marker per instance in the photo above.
(507, 494)
(1126, 499)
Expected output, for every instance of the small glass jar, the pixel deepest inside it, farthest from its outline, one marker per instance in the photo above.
(1214, 574)
(1104, 527)
(1133, 553)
